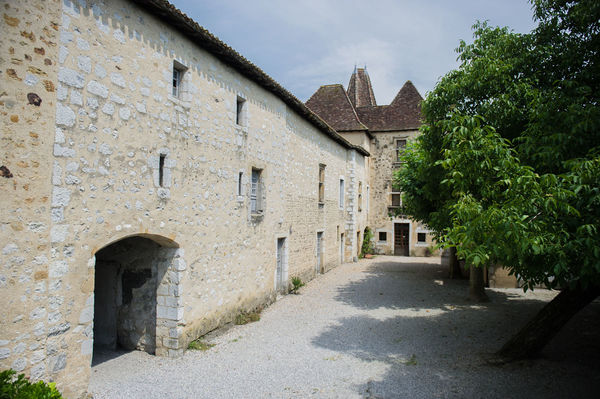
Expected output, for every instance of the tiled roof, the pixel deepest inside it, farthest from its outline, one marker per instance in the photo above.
(360, 90)
(168, 13)
(332, 104)
(403, 113)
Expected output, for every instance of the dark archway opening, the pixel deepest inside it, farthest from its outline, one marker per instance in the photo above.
(127, 276)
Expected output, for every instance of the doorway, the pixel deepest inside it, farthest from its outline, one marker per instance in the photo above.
(401, 242)
(341, 248)
(130, 281)
(280, 274)
(320, 267)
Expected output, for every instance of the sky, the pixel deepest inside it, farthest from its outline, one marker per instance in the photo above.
(304, 44)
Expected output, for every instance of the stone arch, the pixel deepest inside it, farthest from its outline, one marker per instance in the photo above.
(138, 302)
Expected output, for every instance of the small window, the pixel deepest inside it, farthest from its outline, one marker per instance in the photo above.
(382, 236)
(396, 200)
(421, 237)
(161, 170)
(342, 193)
(400, 147)
(256, 192)
(178, 72)
(368, 193)
(321, 183)
(359, 196)
(240, 111)
(240, 186)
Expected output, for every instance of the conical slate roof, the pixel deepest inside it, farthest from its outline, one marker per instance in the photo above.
(360, 90)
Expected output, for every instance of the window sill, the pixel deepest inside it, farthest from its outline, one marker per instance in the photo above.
(421, 244)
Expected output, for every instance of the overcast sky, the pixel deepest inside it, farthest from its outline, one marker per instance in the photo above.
(304, 44)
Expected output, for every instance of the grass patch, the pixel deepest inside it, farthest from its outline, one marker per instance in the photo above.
(200, 345)
(247, 317)
(412, 361)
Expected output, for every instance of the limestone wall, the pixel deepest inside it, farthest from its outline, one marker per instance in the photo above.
(86, 166)
(382, 165)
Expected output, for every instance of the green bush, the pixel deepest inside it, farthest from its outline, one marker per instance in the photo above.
(296, 284)
(20, 387)
(367, 244)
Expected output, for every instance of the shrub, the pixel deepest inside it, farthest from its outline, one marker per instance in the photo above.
(296, 283)
(367, 244)
(20, 387)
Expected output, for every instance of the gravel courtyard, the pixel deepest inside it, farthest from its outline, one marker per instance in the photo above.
(389, 327)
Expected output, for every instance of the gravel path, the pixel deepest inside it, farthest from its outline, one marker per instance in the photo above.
(390, 327)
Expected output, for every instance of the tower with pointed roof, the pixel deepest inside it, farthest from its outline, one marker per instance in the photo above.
(384, 131)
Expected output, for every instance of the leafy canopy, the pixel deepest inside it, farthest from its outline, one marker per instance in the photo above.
(507, 167)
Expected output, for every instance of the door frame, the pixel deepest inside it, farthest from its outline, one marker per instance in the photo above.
(284, 266)
(394, 237)
(320, 264)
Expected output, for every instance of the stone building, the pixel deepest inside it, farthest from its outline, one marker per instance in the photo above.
(384, 131)
(156, 184)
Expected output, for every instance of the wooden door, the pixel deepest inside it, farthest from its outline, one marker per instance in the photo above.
(401, 231)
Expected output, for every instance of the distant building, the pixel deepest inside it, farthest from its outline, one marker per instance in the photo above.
(384, 131)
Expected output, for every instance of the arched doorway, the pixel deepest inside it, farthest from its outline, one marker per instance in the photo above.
(137, 296)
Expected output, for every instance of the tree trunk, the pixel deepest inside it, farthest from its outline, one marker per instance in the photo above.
(453, 265)
(477, 285)
(532, 338)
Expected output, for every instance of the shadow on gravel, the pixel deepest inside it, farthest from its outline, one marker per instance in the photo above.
(434, 342)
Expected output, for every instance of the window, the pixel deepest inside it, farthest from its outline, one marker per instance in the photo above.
(161, 169)
(421, 237)
(368, 193)
(240, 186)
(341, 193)
(400, 146)
(359, 196)
(256, 192)
(178, 72)
(240, 111)
(396, 200)
(321, 183)
(382, 236)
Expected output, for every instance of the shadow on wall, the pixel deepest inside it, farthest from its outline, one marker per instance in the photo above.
(434, 342)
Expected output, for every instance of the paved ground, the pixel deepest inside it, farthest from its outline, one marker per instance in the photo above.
(390, 327)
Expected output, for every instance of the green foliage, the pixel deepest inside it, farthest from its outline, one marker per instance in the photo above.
(367, 244)
(19, 387)
(200, 345)
(247, 317)
(296, 284)
(508, 164)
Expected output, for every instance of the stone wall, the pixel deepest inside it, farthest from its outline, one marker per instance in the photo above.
(381, 219)
(110, 153)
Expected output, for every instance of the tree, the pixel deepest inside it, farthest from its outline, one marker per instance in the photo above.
(512, 138)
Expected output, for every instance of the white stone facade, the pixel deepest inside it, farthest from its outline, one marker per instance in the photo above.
(110, 153)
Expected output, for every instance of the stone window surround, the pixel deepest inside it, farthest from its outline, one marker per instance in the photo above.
(180, 83)
(163, 191)
(342, 193)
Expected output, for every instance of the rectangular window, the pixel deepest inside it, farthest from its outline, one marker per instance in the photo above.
(382, 236)
(321, 183)
(240, 111)
(178, 72)
(359, 196)
(396, 200)
(256, 192)
(161, 169)
(342, 193)
(421, 237)
(400, 147)
(240, 187)
(368, 193)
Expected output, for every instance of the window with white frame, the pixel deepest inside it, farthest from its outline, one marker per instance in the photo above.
(342, 192)
(178, 72)
(256, 192)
